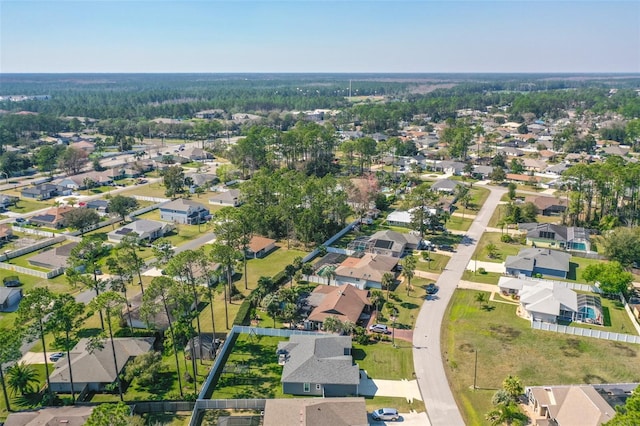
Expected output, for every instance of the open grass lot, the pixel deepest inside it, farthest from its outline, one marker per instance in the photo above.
(155, 189)
(459, 223)
(252, 370)
(382, 361)
(478, 196)
(507, 345)
(400, 404)
(486, 278)
(28, 205)
(437, 264)
(504, 249)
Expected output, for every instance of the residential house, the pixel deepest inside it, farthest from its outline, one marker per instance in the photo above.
(346, 302)
(209, 114)
(533, 261)
(6, 232)
(615, 150)
(546, 301)
(45, 191)
(582, 157)
(315, 412)
(523, 178)
(9, 298)
(201, 180)
(450, 167)
(259, 247)
(100, 206)
(7, 200)
(392, 243)
(75, 182)
(482, 172)
(184, 211)
(53, 258)
(76, 415)
(511, 152)
(548, 206)
(227, 198)
(52, 218)
(534, 165)
(148, 230)
(366, 271)
(576, 405)
(445, 185)
(547, 154)
(94, 369)
(318, 365)
(557, 169)
(403, 217)
(195, 154)
(556, 236)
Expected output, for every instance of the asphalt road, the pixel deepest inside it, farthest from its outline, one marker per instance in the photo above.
(429, 364)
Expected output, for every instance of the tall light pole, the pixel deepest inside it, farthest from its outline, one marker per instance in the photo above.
(475, 371)
(393, 329)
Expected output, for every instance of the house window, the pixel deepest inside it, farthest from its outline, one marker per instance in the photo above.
(548, 235)
(306, 387)
(318, 386)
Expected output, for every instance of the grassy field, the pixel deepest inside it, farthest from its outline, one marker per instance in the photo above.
(478, 196)
(486, 278)
(459, 223)
(382, 361)
(437, 264)
(23, 403)
(155, 189)
(504, 249)
(28, 205)
(252, 370)
(507, 345)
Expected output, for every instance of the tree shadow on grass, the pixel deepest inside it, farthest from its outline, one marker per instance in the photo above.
(29, 400)
(606, 316)
(162, 385)
(89, 332)
(408, 305)
(358, 354)
(573, 271)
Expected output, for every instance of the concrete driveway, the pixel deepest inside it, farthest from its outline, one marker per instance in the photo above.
(33, 358)
(397, 388)
(488, 266)
(408, 419)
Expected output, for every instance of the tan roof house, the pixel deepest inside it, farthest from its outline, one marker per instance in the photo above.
(51, 416)
(345, 302)
(366, 271)
(572, 405)
(259, 247)
(315, 412)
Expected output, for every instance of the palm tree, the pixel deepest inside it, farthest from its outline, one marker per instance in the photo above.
(21, 378)
(227, 257)
(9, 351)
(110, 303)
(508, 414)
(377, 299)
(65, 318)
(327, 272)
(481, 298)
(408, 270)
(387, 281)
(290, 271)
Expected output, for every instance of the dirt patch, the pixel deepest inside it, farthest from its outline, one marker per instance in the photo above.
(573, 347)
(466, 347)
(504, 333)
(625, 350)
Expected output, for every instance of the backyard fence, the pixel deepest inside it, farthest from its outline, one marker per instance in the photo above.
(33, 247)
(234, 404)
(207, 388)
(162, 406)
(585, 332)
(39, 232)
(153, 199)
(27, 271)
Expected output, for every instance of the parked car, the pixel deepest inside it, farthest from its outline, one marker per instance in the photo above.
(445, 247)
(432, 288)
(385, 414)
(56, 356)
(379, 328)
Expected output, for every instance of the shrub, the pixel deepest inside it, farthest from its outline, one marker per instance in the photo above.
(482, 271)
(506, 238)
(243, 312)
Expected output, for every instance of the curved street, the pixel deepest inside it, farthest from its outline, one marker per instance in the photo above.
(429, 364)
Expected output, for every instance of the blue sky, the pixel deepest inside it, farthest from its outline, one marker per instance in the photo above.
(319, 36)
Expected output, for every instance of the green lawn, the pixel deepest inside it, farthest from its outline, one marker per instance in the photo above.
(23, 403)
(459, 223)
(28, 205)
(478, 196)
(504, 249)
(252, 370)
(155, 189)
(486, 278)
(437, 264)
(400, 404)
(507, 345)
(382, 361)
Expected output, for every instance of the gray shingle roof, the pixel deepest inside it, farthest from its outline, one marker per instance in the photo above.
(319, 359)
(540, 258)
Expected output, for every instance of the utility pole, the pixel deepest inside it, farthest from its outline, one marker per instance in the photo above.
(475, 371)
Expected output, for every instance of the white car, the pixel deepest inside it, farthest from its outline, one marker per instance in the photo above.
(56, 356)
(380, 328)
(385, 414)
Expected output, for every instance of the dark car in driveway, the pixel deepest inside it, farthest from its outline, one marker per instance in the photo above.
(445, 247)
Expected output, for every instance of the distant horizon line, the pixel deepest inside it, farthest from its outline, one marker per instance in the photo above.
(623, 73)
